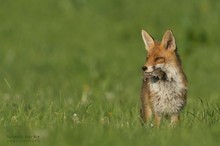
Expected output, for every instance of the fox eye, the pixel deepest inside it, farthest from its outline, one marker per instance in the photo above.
(159, 59)
(147, 58)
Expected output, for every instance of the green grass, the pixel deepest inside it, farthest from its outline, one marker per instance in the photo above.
(70, 71)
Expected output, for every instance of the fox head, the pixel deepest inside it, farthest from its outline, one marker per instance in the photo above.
(159, 55)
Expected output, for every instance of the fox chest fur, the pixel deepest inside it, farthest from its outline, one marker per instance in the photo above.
(166, 97)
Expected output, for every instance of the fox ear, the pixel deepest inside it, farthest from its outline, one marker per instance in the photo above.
(148, 40)
(168, 41)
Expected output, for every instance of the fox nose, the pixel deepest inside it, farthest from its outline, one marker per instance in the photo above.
(144, 68)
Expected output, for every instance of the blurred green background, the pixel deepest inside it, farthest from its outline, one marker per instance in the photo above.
(71, 69)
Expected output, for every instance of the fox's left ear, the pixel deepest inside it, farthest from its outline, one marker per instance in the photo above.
(168, 41)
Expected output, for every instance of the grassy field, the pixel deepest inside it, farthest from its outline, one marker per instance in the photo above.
(70, 71)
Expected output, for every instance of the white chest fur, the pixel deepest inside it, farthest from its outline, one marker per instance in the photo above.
(168, 96)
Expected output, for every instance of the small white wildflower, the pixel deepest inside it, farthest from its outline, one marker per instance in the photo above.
(75, 118)
(151, 125)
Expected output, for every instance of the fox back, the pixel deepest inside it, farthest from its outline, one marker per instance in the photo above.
(164, 89)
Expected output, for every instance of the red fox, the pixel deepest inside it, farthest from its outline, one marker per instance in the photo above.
(164, 85)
